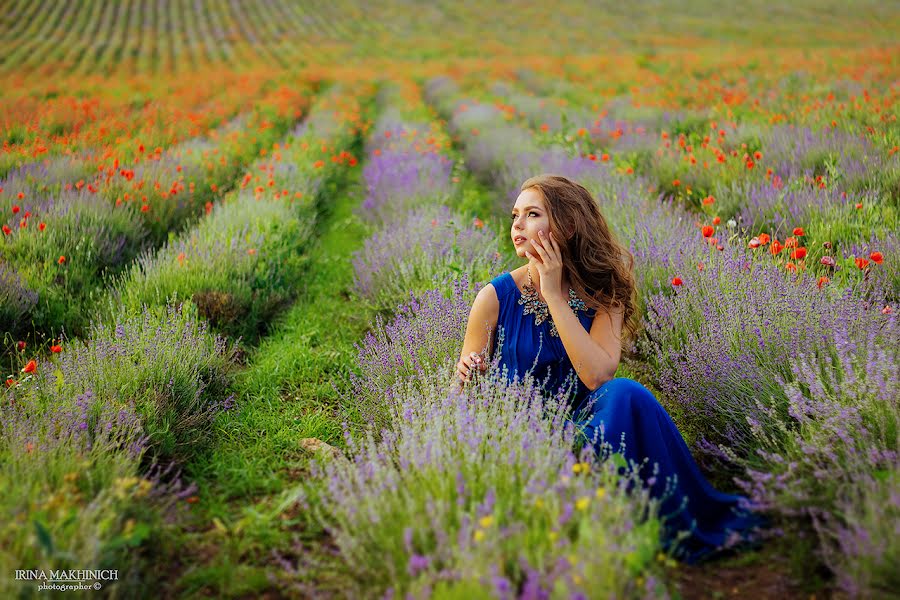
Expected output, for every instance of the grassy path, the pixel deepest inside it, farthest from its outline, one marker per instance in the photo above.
(286, 394)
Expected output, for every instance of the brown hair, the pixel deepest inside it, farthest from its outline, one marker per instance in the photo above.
(598, 267)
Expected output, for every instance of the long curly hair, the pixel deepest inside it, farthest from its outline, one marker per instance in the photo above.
(598, 267)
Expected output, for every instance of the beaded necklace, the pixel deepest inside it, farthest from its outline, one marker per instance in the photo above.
(533, 305)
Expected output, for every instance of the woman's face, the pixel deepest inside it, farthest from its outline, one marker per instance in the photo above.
(529, 215)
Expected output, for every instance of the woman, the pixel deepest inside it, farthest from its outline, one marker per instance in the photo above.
(566, 310)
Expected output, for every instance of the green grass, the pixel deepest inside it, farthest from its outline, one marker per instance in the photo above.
(284, 395)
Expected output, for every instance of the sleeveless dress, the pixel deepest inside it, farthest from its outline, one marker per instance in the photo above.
(624, 407)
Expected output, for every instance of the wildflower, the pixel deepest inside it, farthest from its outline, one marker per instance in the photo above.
(798, 231)
(861, 262)
(61, 259)
(753, 243)
(798, 253)
(319, 164)
(876, 258)
(192, 499)
(676, 182)
(20, 346)
(827, 261)
(592, 157)
(676, 281)
(31, 367)
(764, 238)
(10, 382)
(757, 155)
(716, 220)
(434, 222)
(858, 205)
(887, 310)
(822, 281)
(791, 267)
(42, 226)
(479, 535)
(582, 503)
(707, 230)
(7, 230)
(790, 242)
(486, 521)
(776, 247)
(580, 468)
(478, 223)
(600, 493)
(56, 349)
(604, 157)
(20, 195)
(16, 209)
(145, 208)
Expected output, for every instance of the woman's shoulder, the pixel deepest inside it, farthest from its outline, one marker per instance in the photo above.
(504, 284)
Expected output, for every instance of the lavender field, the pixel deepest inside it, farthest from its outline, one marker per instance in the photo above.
(241, 243)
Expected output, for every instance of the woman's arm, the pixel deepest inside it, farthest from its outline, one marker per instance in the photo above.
(594, 355)
(476, 349)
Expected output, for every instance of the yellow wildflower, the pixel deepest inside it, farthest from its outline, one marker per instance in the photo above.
(486, 521)
(479, 535)
(552, 535)
(539, 502)
(601, 493)
(582, 503)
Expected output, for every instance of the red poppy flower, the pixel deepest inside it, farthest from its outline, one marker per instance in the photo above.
(790, 242)
(798, 253)
(42, 226)
(716, 221)
(604, 157)
(707, 230)
(876, 258)
(10, 382)
(861, 262)
(676, 281)
(7, 230)
(791, 267)
(754, 243)
(798, 231)
(16, 209)
(776, 247)
(478, 223)
(61, 260)
(764, 238)
(56, 349)
(822, 281)
(20, 346)
(31, 367)
(827, 261)
(708, 200)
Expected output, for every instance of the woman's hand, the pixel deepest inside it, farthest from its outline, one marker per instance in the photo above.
(466, 364)
(548, 263)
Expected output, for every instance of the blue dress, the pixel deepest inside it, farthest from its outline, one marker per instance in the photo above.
(623, 406)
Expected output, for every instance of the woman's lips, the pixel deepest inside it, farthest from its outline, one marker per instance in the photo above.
(519, 240)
